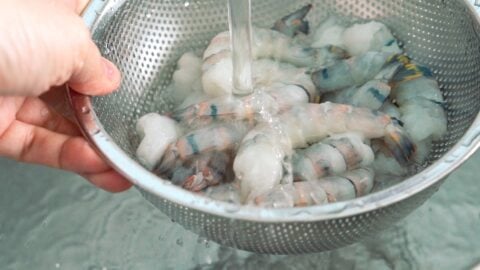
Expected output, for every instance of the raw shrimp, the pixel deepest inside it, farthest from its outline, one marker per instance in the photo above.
(309, 123)
(352, 184)
(270, 44)
(354, 71)
(423, 114)
(332, 156)
(186, 79)
(357, 39)
(259, 161)
(372, 94)
(232, 108)
(205, 170)
(156, 133)
(219, 137)
(420, 102)
(294, 23)
(371, 36)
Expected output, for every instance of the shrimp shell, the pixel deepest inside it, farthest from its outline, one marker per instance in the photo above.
(352, 184)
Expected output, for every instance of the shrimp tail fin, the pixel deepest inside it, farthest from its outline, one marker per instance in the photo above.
(400, 144)
(294, 23)
(195, 182)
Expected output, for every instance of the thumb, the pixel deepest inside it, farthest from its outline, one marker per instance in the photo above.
(49, 45)
(94, 75)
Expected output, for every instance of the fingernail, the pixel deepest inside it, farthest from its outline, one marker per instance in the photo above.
(110, 69)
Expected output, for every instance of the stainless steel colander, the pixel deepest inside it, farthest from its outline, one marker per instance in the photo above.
(145, 38)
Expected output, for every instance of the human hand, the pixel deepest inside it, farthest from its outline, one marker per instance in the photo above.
(45, 44)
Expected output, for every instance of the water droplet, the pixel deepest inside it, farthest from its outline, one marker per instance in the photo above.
(85, 110)
(57, 265)
(186, 4)
(180, 242)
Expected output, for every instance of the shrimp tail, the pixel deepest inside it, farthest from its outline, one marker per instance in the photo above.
(399, 143)
(195, 182)
(294, 23)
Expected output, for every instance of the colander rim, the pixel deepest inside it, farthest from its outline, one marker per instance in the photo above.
(147, 181)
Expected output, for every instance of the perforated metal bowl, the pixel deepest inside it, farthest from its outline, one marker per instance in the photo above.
(146, 37)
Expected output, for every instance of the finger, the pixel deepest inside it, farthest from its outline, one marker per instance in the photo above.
(37, 113)
(37, 145)
(96, 75)
(109, 181)
(32, 144)
(57, 99)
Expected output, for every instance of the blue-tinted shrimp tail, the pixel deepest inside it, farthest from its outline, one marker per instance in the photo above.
(294, 23)
(400, 145)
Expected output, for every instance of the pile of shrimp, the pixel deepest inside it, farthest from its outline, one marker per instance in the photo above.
(332, 110)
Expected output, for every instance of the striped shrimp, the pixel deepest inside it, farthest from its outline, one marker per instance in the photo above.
(420, 101)
(217, 137)
(248, 107)
(420, 108)
(372, 94)
(259, 164)
(310, 123)
(332, 156)
(266, 44)
(354, 71)
(352, 184)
